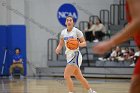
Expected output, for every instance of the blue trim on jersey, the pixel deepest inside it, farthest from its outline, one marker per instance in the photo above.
(66, 38)
(72, 59)
(77, 59)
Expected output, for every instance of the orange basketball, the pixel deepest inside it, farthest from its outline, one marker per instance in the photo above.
(72, 43)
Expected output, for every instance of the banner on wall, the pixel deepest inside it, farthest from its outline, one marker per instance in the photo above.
(66, 10)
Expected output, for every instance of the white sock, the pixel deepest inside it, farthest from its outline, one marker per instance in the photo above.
(89, 90)
(70, 92)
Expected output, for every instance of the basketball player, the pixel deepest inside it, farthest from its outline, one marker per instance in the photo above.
(132, 30)
(74, 57)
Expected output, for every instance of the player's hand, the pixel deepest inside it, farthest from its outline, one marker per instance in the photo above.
(57, 51)
(102, 47)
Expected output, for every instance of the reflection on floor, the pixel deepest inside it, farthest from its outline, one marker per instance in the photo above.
(57, 85)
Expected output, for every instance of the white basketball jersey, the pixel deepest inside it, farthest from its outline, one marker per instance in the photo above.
(75, 33)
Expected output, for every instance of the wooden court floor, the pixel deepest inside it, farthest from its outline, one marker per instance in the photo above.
(57, 85)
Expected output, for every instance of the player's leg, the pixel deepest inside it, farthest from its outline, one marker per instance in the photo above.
(78, 75)
(135, 82)
(69, 70)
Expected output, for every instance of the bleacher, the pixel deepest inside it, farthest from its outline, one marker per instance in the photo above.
(114, 20)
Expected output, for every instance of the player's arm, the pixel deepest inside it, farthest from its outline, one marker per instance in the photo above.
(82, 42)
(80, 35)
(128, 32)
(131, 29)
(60, 45)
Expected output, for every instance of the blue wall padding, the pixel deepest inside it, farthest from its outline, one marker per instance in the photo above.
(3, 43)
(15, 38)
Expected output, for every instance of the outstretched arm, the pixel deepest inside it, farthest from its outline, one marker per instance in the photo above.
(126, 33)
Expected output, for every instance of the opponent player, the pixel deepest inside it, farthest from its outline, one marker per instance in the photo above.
(74, 57)
(132, 30)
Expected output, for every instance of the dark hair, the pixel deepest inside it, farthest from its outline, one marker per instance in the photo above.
(89, 23)
(70, 17)
(99, 20)
(18, 49)
(132, 49)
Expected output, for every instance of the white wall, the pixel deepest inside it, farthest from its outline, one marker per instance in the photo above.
(9, 12)
(45, 13)
(3, 12)
(116, 1)
(17, 12)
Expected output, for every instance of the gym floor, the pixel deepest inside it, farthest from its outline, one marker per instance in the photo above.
(57, 85)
